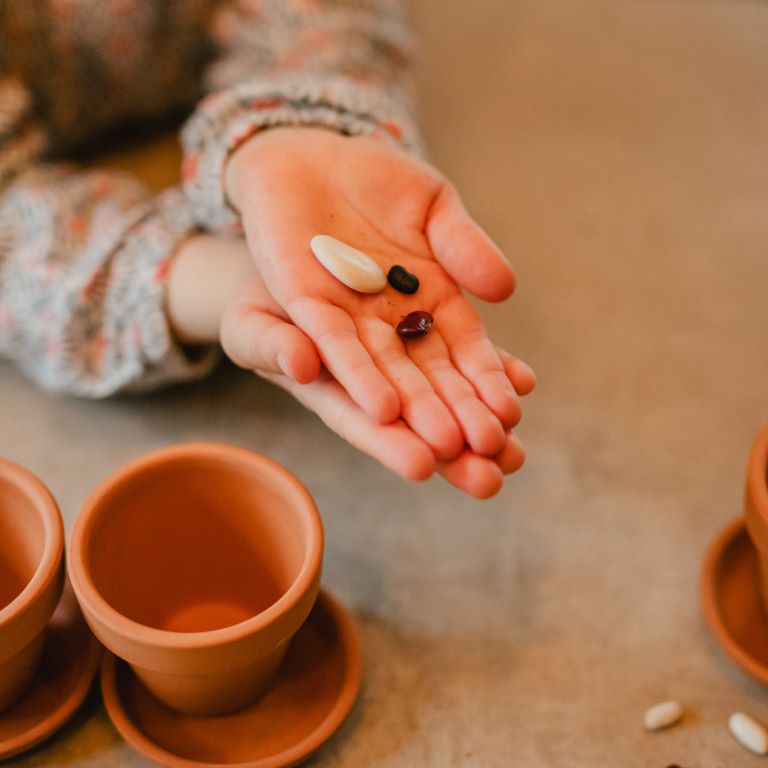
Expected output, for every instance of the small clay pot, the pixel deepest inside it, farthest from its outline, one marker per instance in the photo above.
(197, 564)
(756, 505)
(31, 575)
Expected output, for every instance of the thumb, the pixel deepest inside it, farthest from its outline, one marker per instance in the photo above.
(464, 250)
(258, 340)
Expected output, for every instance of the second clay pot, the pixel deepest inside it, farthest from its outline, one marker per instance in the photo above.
(31, 575)
(197, 564)
(756, 505)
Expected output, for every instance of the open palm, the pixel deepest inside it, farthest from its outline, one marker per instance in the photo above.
(256, 334)
(450, 386)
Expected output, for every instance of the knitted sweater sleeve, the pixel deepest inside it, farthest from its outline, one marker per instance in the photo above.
(84, 256)
(342, 64)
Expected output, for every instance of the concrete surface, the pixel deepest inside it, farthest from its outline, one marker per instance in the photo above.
(617, 151)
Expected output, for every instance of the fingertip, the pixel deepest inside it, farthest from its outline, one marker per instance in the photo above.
(489, 276)
(522, 376)
(509, 413)
(499, 284)
(299, 359)
(416, 464)
(257, 340)
(525, 383)
(421, 472)
(466, 251)
(493, 277)
(490, 487)
(385, 407)
(487, 438)
(499, 395)
(512, 458)
(485, 482)
(451, 450)
(477, 476)
(303, 373)
(442, 435)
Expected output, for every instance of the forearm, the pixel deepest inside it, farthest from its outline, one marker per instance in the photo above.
(84, 258)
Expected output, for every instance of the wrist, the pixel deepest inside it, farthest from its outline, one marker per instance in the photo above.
(204, 275)
(243, 162)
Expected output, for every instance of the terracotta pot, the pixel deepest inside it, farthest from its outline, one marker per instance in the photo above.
(756, 505)
(196, 564)
(31, 575)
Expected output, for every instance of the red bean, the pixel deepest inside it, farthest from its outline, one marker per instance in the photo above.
(414, 324)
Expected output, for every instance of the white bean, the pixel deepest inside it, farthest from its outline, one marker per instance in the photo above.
(354, 268)
(662, 715)
(749, 733)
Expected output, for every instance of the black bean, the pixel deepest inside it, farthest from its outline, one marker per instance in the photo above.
(414, 324)
(402, 280)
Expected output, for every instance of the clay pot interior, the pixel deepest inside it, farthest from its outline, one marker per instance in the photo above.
(196, 564)
(22, 540)
(732, 601)
(195, 546)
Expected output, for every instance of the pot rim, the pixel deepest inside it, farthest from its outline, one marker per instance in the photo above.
(43, 502)
(163, 639)
(757, 484)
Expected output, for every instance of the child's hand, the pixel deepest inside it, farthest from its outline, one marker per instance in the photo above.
(256, 334)
(449, 386)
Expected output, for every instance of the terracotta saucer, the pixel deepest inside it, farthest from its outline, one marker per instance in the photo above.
(68, 666)
(313, 693)
(731, 599)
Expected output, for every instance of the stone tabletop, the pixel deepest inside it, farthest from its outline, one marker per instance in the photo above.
(617, 152)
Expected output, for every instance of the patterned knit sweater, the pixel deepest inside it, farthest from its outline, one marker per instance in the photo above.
(84, 254)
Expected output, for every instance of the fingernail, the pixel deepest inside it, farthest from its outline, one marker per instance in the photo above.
(282, 361)
(520, 453)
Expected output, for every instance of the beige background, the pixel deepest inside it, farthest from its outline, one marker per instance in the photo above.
(617, 151)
